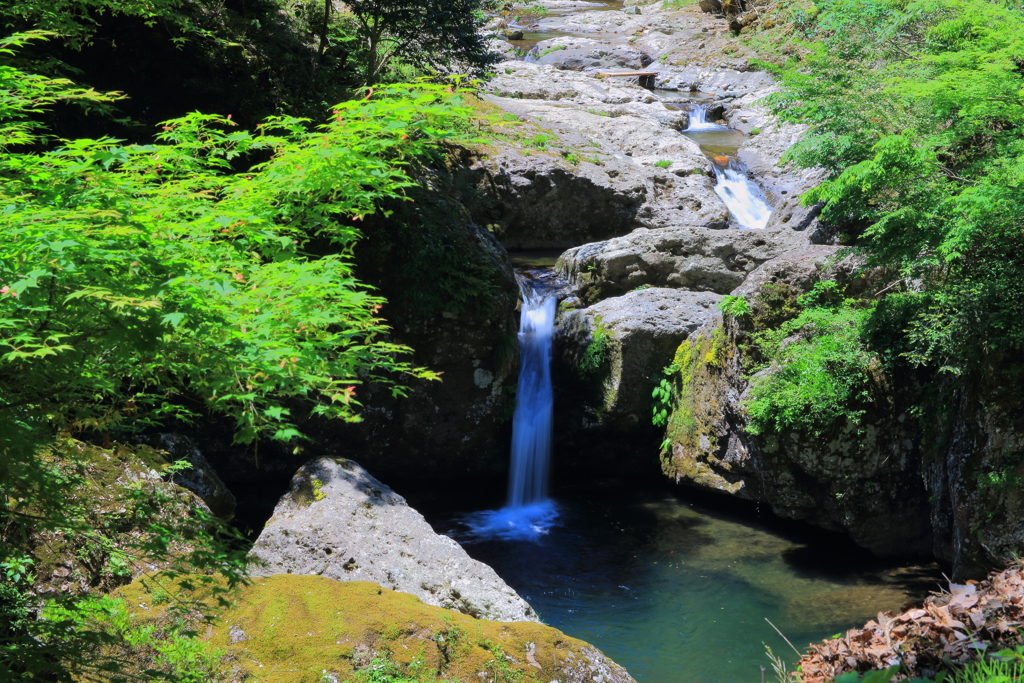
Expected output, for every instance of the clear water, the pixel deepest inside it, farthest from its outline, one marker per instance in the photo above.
(677, 590)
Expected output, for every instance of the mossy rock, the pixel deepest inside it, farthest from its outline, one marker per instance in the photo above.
(306, 629)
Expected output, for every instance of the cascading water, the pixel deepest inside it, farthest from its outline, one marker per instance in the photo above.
(699, 119)
(529, 513)
(743, 198)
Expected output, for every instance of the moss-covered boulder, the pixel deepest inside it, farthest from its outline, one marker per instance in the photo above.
(309, 629)
(861, 476)
(340, 522)
(118, 497)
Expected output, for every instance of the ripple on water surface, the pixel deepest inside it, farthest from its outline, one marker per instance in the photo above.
(679, 593)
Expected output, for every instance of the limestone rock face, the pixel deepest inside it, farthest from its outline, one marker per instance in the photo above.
(688, 257)
(860, 478)
(584, 54)
(643, 329)
(340, 522)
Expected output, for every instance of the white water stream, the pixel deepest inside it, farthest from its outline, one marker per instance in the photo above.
(529, 513)
(743, 198)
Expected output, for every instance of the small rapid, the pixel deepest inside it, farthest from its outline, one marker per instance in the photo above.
(529, 512)
(744, 199)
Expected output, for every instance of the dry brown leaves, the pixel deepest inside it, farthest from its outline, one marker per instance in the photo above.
(952, 626)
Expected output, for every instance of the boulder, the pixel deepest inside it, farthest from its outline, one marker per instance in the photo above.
(339, 522)
(201, 479)
(587, 54)
(636, 335)
(312, 628)
(687, 257)
(860, 478)
(596, 176)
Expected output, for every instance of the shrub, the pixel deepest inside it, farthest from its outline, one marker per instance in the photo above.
(818, 371)
(597, 351)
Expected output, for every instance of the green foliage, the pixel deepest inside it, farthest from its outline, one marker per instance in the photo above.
(734, 306)
(819, 369)
(439, 36)
(61, 501)
(209, 272)
(663, 163)
(662, 396)
(138, 279)
(917, 112)
(755, 131)
(598, 350)
(76, 20)
(385, 670)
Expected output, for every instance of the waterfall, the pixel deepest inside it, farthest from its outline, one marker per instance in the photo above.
(531, 424)
(742, 197)
(529, 512)
(699, 119)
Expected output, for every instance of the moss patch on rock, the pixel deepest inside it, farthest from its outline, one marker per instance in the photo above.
(307, 629)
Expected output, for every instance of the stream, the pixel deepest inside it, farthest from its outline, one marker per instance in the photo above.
(672, 584)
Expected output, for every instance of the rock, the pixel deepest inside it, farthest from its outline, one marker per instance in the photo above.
(201, 479)
(501, 47)
(861, 478)
(686, 257)
(643, 329)
(596, 176)
(594, 21)
(581, 54)
(311, 628)
(117, 484)
(711, 6)
(633, 9)
(513, 34)
(974, 474)
(339, 522)
(526, 81)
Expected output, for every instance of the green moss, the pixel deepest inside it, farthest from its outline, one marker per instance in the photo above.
(598, 350)
(299, 627)
(695, 369)
(774, 304)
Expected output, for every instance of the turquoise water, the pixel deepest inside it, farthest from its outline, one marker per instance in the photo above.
(678, 591)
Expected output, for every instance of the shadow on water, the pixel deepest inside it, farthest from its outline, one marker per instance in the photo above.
(676, 585)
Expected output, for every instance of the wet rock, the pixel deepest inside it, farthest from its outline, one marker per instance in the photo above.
(333, 631)
(201, 479)
(340, 522)
(642, 330)
(977, 466)
(583, 54)
(860, 478)
(686, 257)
